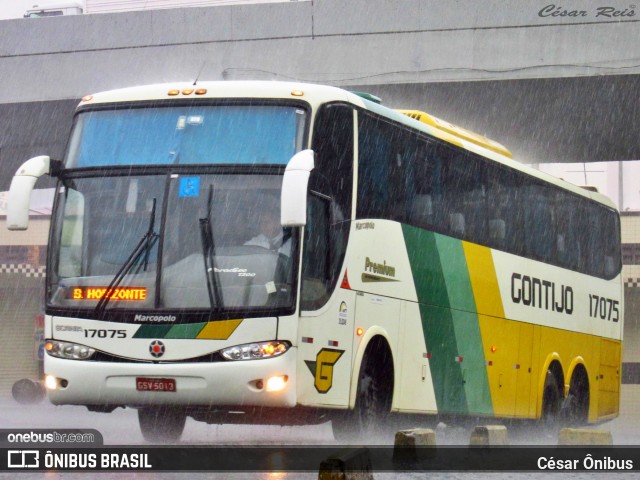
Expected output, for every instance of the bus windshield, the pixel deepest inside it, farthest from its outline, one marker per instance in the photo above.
(220, 246)
(186, 135)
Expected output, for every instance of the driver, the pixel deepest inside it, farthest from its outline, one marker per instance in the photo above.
(271, 234)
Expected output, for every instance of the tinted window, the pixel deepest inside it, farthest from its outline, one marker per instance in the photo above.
(329, 205)
(408, 177)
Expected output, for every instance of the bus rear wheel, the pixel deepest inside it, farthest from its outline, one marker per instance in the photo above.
(575, 408)
(551, 403)
(161, 424)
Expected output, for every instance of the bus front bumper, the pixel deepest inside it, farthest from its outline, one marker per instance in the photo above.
(232, 383)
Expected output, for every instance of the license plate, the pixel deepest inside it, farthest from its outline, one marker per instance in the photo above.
(155, 384)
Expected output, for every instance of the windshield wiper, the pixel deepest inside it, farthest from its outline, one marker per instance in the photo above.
(145, 245)
(209, 255)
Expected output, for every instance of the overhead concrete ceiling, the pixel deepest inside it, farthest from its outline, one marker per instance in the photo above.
(583, 119)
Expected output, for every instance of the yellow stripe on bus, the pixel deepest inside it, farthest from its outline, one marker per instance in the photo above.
(499, 336)
(506, 344)
(220, 330)
(484, 281)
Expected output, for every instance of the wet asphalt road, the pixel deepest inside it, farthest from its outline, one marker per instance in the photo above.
(121, 428)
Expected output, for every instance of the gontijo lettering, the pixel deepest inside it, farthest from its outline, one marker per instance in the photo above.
(536, 292)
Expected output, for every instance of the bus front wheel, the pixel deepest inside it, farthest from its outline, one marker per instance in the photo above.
(370, 417)
(161, 424)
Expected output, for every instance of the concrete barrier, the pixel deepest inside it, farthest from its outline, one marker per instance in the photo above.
(584, 436)
(414, 445)
(489, 436)
(353, 464)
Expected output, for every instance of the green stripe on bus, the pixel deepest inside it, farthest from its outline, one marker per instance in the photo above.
(152, 331)
(188, 330)
(466, 325)
(450, 322)
(437, 321)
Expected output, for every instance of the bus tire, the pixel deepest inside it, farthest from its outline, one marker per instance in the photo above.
(161, 424)
(551, 404)
(575, 408)
(370, 416)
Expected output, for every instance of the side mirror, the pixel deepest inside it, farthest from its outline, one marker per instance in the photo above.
(293, 206)
(20, 191)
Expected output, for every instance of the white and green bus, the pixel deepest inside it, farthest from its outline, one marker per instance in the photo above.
(414, 266)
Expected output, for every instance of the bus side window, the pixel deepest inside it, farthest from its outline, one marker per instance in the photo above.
(329, 204)
(497, 232)
(374, 166)
(504, 214)
(316, 269)
(421, 211)
(333, 146)
(464, 196)
(539, 227)
(424, 186)
(568, 248)
(612, 255)
(600, 235)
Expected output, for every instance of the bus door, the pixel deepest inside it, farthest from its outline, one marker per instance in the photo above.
(325, 352)
(325, 334)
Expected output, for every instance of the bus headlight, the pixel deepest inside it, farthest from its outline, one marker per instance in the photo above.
(255, 351)
(70, 351)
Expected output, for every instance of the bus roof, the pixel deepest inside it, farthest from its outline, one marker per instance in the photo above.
(458, 131)
(315, 95)
(310, 93)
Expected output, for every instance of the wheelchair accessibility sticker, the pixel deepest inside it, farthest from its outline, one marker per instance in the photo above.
(189, 187)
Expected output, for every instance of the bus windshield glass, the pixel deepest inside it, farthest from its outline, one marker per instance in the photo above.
(186, 135)
(220, 246)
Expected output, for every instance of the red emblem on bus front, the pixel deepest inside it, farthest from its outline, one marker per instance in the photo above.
(156, 348)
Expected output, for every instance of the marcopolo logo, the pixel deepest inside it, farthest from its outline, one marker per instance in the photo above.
(23, 459)
(154, 318)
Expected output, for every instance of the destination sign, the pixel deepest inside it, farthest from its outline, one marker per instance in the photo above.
(115, 294)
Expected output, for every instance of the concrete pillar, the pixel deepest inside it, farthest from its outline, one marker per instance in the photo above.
(413, 445)
(354, 464)
(489, 435)
(584, 436)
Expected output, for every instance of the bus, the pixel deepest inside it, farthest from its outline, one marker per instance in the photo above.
(54, 10)
(415, 268)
